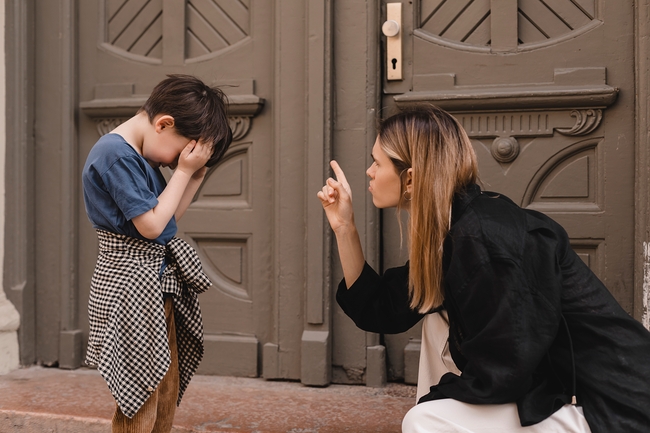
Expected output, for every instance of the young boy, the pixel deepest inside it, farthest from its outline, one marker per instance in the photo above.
(146, 333)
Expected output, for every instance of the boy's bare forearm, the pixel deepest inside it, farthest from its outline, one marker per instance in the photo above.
(191, 189)
(152, 223)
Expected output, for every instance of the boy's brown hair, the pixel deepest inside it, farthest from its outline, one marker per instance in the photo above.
(199, 111)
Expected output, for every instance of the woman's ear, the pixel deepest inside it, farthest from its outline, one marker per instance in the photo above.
(162, 122)
(408, 181)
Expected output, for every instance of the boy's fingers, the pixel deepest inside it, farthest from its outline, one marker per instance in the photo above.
(189, 147)
(205, 147)
(198, 148)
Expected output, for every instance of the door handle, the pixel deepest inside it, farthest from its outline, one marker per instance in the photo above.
(392, 29)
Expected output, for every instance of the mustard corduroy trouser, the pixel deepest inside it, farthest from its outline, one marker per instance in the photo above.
(157, 414)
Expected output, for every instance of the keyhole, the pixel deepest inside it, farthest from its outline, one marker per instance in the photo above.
(394, 61)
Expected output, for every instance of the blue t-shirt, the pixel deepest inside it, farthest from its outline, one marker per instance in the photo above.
(119, 184)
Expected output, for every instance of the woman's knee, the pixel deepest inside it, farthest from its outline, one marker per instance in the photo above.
(415, 420)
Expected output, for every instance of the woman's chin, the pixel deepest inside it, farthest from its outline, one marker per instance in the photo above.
(381, 205)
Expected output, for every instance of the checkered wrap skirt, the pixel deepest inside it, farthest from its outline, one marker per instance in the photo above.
(128, 338)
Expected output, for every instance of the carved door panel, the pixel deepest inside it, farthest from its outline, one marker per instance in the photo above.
(125, 48)
(545, 90)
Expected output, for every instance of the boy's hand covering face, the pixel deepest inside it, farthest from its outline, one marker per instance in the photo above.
(194, 156)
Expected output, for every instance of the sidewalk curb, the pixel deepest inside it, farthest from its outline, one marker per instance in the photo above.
(41, 400)
(30, 422)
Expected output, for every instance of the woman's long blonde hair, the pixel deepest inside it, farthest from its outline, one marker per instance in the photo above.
(434, 144)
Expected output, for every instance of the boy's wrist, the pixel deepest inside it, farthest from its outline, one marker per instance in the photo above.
(200, 173)
(183, 173)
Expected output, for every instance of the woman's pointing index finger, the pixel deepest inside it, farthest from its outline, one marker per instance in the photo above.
(338, 172)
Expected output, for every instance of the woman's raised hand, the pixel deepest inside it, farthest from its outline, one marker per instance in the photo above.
(336, 198)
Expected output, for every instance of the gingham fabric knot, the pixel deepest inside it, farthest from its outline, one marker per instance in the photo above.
(185, 265)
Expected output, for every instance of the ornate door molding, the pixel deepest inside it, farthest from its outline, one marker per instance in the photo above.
(172, 32)
(489, 25)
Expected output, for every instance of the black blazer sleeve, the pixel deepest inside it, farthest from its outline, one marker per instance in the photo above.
(379, 303)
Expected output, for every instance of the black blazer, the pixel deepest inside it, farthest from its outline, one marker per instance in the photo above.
(529, 322)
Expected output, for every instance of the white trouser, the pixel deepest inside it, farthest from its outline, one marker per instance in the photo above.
(452, 416)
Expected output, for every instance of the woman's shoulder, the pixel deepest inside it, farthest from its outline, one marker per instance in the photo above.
(498, 212)
(495, 206)
(502, 225)
(489, 213)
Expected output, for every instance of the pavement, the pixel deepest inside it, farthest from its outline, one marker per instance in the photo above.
(51, 400)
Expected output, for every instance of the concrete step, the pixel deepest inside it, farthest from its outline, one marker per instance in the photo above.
(44, 400)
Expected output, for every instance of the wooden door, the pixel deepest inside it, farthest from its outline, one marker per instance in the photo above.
(128, 46)
(545, 90)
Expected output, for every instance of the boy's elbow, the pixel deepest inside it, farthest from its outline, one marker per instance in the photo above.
(145, 225)
(150, 234)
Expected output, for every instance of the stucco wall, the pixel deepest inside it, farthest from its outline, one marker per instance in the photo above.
(9, 319)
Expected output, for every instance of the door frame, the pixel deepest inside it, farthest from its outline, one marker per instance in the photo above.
(642, 159)
(42, 193)
(18, 272)
(358, 356)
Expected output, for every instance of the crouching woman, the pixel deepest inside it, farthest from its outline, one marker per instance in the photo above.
(519, 335)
